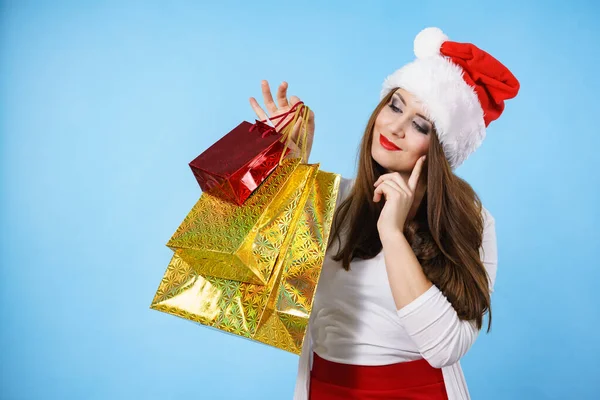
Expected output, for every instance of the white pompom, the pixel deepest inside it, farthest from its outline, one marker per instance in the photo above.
(428, 42)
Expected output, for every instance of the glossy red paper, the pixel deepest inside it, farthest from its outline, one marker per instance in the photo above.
(239, 162)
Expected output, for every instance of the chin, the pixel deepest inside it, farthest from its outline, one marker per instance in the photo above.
(390, 161)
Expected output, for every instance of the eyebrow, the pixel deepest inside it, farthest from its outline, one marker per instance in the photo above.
(404, 102)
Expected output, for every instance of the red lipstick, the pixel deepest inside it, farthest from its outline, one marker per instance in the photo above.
(386, 144)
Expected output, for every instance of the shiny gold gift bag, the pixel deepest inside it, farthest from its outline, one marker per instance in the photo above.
(253, 270)
(276, 313)
(241, 243)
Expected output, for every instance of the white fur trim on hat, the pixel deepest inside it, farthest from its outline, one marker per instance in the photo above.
(448, 101)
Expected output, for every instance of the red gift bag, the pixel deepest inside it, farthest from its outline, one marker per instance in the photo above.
(240, 161)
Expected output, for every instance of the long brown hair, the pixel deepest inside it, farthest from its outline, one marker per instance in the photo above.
(445, 234)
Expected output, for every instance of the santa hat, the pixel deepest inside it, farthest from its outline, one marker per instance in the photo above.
(462, 89)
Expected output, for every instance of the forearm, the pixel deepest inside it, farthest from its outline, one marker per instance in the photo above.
(425, 313)
(405, 274)
(427, 316)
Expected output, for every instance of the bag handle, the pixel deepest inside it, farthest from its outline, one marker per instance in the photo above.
(280, 117)
(304, 113)
(300, 110)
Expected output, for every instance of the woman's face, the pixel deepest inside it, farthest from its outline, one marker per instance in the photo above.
(401, 133)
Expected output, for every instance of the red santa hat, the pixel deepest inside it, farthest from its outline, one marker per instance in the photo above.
(462, 89)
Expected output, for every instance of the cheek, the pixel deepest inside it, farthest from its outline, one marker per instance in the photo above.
(420, 144)
(383, 118)
(425, 146)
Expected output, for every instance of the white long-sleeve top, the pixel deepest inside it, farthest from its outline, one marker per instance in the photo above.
(355, 321)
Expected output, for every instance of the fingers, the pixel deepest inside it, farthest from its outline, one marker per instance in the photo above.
(268, 97)
(283, 105)
(282, 100)
(409, 187)
(260, 113)
(378, 193)
(416, 172)
(387, 189)
(397, 179)
(393, 185)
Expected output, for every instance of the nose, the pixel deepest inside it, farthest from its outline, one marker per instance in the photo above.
(399, 133)
(399, 126)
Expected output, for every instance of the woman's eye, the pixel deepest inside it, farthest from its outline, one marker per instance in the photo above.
(420, 128)
(394, 108)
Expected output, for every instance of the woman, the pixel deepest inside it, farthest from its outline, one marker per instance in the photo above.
(412, 257)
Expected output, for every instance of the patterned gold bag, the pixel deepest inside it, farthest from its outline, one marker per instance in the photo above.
(241, 243)
(276, 313)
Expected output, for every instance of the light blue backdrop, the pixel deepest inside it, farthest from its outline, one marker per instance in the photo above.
(103, 104)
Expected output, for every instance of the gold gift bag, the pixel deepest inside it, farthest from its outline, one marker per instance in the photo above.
(276, 313)
(241, 243)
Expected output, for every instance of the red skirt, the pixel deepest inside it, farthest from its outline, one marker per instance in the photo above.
(413, 380)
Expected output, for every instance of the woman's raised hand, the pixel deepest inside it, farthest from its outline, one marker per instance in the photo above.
(283, 105)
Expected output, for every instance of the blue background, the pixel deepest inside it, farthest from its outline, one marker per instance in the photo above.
(103, 104)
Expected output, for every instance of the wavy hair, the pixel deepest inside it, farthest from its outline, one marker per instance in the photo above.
(445, 234)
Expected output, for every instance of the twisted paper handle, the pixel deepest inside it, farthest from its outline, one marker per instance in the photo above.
(304, 113)
(280, 117)
(300, 110)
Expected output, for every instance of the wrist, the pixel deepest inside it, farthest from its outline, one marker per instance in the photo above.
(391, 237)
